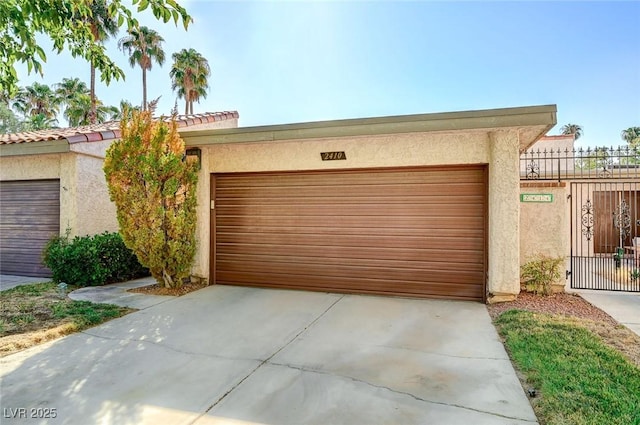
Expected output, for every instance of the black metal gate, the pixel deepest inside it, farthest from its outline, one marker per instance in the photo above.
(605, 235)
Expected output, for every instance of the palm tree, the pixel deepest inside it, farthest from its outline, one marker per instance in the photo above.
(189, 75)
(102, 26)
(40, 122)
(144, 46)
(574, 129)
(69, 90)
(37, 99)
(78, 111)
(632, 136)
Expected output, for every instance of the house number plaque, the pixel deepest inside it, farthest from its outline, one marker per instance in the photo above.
(332, 156)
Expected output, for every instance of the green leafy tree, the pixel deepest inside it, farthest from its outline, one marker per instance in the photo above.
(594, 159)
(37, 99)
(154, 189)
(574, 129)
(144, 46)
(9, 122)
(631, 136)
(66, 23)
(189, 77)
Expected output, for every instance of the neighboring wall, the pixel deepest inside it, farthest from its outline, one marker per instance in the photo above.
(544, 226)
(85, 207)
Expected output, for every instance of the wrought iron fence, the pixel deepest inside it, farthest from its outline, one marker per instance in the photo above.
(574, 164)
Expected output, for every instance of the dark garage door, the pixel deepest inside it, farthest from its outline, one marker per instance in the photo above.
(410, 232)
(30, 216)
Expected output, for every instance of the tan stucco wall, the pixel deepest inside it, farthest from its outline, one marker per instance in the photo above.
(504, 216)
(94, 210)
(544, 227)
(412, 149)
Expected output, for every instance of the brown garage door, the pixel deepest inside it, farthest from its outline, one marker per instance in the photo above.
(30, 216)
(412, 232)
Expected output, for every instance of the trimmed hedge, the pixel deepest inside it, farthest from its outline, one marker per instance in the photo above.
(91, 260)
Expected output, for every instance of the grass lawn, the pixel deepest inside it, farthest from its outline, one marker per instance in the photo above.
(578, 378)
(32, 314)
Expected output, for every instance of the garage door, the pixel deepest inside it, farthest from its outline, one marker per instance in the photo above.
(30, 216)
(409, 232)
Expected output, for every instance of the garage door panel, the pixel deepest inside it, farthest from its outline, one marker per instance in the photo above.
(348, 253)
(361, 262)
(419, 232)
(352, 271)
(36, 217)
(452, 234)
(351, 209)
(425, 199)
(30, 217)
(351, 191)
(294, 179)
(388, 241)
(360, 285)
(351, 221)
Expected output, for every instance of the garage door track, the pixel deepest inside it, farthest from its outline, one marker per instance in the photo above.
(234, 355)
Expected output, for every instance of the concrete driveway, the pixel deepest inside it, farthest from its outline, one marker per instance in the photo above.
(232, 355)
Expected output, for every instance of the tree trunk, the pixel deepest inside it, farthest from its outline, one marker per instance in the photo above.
(144, 89)
(186, 105)
(92, 111)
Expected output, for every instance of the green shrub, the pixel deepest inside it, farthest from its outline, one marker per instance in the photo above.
(539, 273)
(91, 260)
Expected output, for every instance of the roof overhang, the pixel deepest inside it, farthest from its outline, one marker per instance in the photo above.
(39, 148)
(531, 122)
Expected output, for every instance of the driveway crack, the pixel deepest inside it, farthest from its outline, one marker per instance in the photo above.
(265, 361)
(415, 397)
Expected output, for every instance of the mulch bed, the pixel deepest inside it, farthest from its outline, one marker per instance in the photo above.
(576, 307)
(561, 303)
(156, 289)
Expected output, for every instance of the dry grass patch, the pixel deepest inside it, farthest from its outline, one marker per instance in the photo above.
(33, 314)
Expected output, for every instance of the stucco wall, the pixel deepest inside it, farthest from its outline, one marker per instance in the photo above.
(544, 227)
(413, 149)
(504, 216)
(95, 211)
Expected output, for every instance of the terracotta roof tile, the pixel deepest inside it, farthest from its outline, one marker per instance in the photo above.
(105, 131)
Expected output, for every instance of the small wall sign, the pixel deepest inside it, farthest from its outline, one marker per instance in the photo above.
(536, 197)
(333, 156)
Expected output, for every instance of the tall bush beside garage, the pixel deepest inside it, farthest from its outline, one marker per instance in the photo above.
(154, 189)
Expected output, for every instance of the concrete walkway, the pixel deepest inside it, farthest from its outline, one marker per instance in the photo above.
(235, 355)
(116, 293)
(9, 281)
(624, 307)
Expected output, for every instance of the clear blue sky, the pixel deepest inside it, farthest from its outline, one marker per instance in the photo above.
(283, 62)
